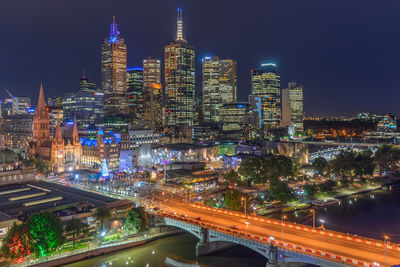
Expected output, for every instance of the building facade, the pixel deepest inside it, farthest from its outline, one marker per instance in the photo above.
(66, 149)
(219, 86)
(21, 105)
(56, 113)
(292, 106)
(41, 145)
(113, 73)
(85, 106)
(96, 150)
(179, 73)
(152, 92)
(17, 131)
(265, 84)
(135, 91)
(141, 142)
(6, 107)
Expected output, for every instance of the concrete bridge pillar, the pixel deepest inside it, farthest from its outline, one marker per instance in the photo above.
(204, 247)
(272, 256)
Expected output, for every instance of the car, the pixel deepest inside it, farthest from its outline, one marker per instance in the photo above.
(184, 215)
(234, 227)
(245, 222)
(199, 218)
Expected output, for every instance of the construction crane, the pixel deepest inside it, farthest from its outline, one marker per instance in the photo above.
(8, 92)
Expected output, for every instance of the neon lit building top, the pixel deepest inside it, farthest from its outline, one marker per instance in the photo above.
(179, 29)
(114, 33)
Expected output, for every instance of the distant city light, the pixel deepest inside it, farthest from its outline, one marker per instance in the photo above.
(268, 64)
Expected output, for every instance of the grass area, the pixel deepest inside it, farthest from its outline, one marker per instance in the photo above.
(111, 238)
(70, 247)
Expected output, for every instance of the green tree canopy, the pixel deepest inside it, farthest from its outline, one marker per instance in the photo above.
(45, 233)
(262, 170)
(280, 190)
(15, 244)
(136, 220)
(310, 190)
(232, 177)
(76, 227)
(386, 158)
(41, 166)
(320, 165)
(234, 200)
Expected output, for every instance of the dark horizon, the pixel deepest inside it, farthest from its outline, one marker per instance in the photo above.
(344, 53)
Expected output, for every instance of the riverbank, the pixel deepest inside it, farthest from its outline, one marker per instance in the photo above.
(87, 253)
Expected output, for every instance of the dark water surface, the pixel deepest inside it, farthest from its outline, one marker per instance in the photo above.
(177, 251)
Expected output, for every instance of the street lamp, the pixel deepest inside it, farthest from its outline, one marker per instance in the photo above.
(271, 238)
(313, 213)
(245, 206)
(322, 223)
(283, 217)
(386, 238)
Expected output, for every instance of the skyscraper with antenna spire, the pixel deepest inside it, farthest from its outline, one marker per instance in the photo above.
(179, 73)
(113, 73)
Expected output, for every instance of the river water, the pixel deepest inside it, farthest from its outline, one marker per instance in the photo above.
(371, 214)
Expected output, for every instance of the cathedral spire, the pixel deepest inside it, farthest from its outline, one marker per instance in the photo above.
(179, 29)
(75, 136)
(58, 136)
(41, 103)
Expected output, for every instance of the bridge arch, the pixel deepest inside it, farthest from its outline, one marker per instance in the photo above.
(273, 254)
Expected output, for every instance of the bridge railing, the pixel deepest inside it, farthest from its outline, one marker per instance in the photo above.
(329, 233)
(269, 241)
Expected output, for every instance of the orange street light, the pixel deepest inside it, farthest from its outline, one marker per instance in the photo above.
(386, 238)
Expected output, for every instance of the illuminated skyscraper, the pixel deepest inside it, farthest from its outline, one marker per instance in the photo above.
(179, 80)
(113, 73)
(152, 92)
(219, 86)
(292, 106)
(265, 84)
(85, 106)
(21, 105)
(135, 91)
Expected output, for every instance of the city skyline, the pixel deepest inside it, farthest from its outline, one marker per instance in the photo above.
(324, 58)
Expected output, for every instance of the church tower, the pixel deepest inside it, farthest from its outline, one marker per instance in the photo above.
(41, 121)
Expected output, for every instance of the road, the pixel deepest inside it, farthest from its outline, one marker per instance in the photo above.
(334, 245)
(360, 251)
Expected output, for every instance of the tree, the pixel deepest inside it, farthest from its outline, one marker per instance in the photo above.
(327, 186)
(280, 190)
(102, 213)
(76, 227)
(45, 233)
(211, 202)
(364, 164)
(251, 169)
(232, 177)
(233, 200)
(15, 243)
(310, 190)
(343, 164)
(41, 166)
(136, 220)
(386, 158)
(320, 165)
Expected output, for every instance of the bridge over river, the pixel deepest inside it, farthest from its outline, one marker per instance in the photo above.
(278, 241)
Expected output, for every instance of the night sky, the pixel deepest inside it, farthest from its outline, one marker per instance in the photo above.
(346, 53)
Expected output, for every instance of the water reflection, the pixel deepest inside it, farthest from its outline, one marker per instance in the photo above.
(175, 251)
(372, 214)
